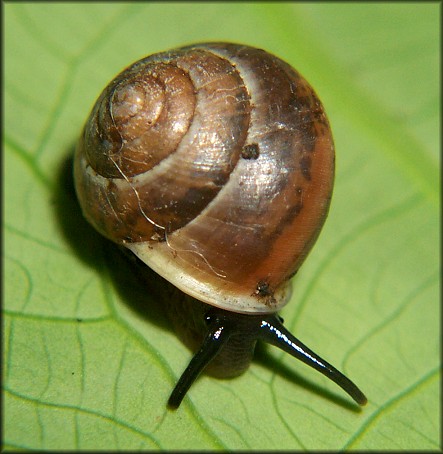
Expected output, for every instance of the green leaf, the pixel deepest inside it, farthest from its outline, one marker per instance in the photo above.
(90, 360)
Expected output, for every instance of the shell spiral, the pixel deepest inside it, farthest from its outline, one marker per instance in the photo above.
(214, 164)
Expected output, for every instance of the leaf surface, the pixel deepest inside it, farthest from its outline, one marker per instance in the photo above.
(89, 360)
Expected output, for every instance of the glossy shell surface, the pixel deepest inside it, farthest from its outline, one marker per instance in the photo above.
(214, 164)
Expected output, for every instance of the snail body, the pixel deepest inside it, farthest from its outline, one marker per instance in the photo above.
(213, 164)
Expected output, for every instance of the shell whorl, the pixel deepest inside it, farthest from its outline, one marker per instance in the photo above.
(214, 164)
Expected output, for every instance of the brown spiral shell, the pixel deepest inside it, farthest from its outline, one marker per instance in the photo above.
(214, 164)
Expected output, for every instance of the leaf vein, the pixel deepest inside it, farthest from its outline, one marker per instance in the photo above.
(86, 411)
(389, 404)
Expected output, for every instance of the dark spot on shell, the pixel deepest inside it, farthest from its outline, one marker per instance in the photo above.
(305, 167)
(265, 293)
(263, 288)
(250, 151)
(160, 234)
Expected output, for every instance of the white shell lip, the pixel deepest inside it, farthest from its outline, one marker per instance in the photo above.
(161, 259)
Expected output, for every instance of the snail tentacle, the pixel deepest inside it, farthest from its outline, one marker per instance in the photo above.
(217, 336)
(273, 332)
(224, 325)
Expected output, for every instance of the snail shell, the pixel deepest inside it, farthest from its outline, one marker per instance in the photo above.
(214, 164)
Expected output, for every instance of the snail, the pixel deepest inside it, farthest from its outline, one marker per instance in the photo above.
(214, 164)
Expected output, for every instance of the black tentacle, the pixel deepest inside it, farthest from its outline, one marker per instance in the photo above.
(273, 332)
(223, 325)
(217, 336)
